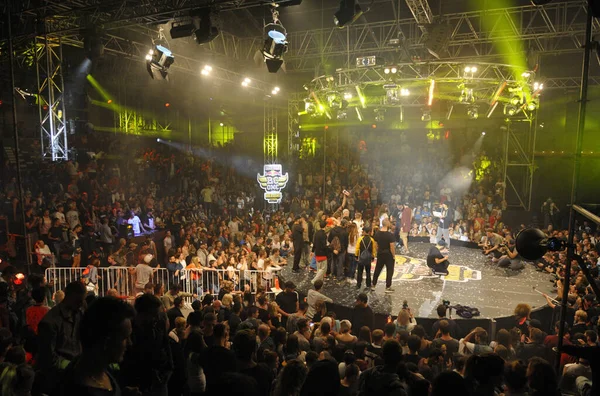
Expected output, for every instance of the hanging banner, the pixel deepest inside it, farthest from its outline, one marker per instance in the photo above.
(272, 181)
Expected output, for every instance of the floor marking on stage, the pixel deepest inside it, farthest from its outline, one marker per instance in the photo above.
(413, 269)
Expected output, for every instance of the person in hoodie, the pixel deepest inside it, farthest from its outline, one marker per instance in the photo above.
(383, 380)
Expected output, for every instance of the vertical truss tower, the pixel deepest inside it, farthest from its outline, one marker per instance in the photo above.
(50, 99)
(270, 132)
(519, 161)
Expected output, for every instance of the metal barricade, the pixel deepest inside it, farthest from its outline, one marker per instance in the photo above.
(193, 281)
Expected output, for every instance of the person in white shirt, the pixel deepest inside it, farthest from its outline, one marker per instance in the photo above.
(136, 224)
(72, 216)
(314, 298)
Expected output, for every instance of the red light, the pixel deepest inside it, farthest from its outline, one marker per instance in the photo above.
(109, 101)
(19, 278)
(326, 127)
(0, 103)
(167, 104)
(447, 135)
(45, 107)
(374, 126)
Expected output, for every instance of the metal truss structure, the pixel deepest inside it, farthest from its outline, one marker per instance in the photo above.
(421, 12)
(270, 135)
(519, 162)
(50, 98)
(554, 28)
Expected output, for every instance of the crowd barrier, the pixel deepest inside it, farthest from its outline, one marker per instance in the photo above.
(193, 281)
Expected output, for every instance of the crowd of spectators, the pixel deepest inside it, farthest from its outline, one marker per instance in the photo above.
(88, 214)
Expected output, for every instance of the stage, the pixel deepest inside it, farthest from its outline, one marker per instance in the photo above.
(472, 280)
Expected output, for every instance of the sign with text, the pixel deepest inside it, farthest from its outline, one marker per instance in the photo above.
(272, 181)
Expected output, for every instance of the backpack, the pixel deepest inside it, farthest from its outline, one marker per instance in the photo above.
(366, 256)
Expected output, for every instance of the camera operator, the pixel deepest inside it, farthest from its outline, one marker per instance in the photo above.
(510, 259)
(437, 260)
(494, 242)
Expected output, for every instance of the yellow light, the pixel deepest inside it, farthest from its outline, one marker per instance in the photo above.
(431, 88)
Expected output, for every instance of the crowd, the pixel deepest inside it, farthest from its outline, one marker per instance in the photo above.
(246, 339)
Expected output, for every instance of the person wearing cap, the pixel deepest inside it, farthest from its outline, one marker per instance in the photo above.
(202, 253)
(437, 261)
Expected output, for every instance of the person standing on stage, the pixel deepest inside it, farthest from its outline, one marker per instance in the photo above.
(405, 224)
(321, 250)
(365, 243)
(385, 255)
(445, 220)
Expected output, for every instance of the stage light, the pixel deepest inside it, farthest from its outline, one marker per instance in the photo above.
(221, 124)
(158, 140)
(109, 101)
(275, 44)
(394, 70)
(532, 244)
(309, 107)
(341, 115)
(206, 70)
(19, 279)
(404, 92)
(158, 61)
(482, 133)
(470, 69)
(167, 104)
(348, 13)
(347, 95)
(386, 70)
(246, 82)
(516, 99)
(526, 74)
(538, 86)
(473, 112)
(533, 105)
(379, 115)
(207, 31)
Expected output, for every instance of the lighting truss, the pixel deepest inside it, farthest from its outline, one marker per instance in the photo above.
(51, 105)
(270, 132)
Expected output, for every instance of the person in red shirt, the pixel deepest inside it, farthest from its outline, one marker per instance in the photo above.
(36, 313)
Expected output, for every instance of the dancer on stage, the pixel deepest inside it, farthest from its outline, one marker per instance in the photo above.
(445, 216)
(386, 245)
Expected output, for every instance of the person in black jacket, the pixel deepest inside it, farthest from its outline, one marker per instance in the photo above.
(339, 252)
(362, 314)
(298, 240)
(320, 251)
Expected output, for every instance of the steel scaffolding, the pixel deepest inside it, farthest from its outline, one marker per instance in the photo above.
(519, 161)
(50, 99)
(270, 132)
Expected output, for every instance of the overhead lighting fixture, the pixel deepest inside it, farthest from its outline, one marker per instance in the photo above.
(386, 70)
(538, 86)
(182, 29)
(526, 74)
(246, 82)
(394, 70)
(275, 91)
(380, 115)
(510, 110)
(347, 95)
(341, 115)
(533, 105)
(207, 31)
(275, 44)
(404, 92)
(206, 70)
(473, 112)
(348, 13)
(471, 69)
(158, 61)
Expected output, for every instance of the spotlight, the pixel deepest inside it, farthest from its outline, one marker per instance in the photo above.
(206, 31)
(386, 70)
(342, 115)
(221, 124)
(516, 99)
(158, 140)
(538, 86)
(158, 61)
(379, 115)
(510, 110)
(167, 104)
(468, 69)
(482, 133)
(109, 101)
(533, 105)
(310, 107)
(473, 113)
(348, 13)
(275, 44)
(347, 95)
(526, 74)
(246, 82)
(206, 70)
(394, 70)
(404, 92)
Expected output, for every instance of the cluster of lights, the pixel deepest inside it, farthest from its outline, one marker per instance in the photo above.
(246, 82)
(404, 92)
(275, 91)
(538, 86)
(149, 55)
(347, 95)
(392, 69)
(473, 112)
(471, 69)
(206, 70)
